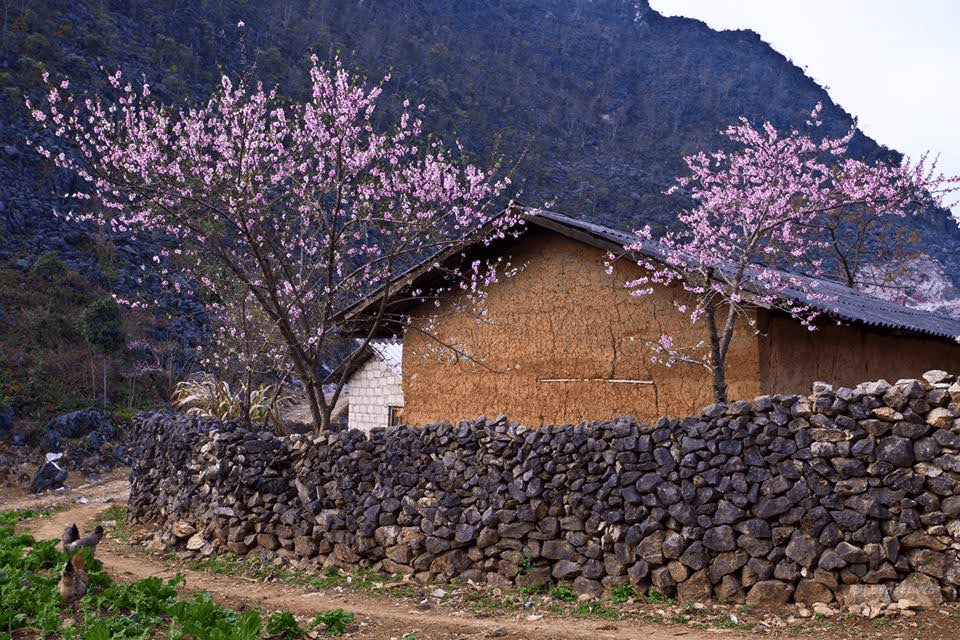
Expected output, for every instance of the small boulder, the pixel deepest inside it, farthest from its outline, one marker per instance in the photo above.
(919, 589)
(196, 542)
(49, 476)
(696, 588)
(770, 593)
(182, 529)
(811, 591)
(938, 376)
(863, 594)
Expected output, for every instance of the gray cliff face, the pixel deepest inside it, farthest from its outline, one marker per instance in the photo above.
(593, 102)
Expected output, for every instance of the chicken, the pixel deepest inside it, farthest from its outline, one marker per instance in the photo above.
(73, 580)
(70, 535)
(90, 541)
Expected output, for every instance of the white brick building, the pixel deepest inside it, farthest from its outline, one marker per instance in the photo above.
(376, 395)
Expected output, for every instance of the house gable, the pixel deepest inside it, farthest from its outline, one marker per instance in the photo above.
(565, 341)
(561, 341)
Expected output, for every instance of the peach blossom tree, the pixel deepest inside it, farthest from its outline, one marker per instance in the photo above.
(301, 209)
(755, 229)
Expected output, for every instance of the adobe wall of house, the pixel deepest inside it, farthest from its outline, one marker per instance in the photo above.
(793, 358)
(374, 388)
(561, 342)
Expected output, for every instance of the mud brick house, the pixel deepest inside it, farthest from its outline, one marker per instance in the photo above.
(563, 340)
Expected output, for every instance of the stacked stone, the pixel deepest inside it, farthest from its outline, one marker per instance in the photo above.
(164, 447)
(232, 484)
(841, 495)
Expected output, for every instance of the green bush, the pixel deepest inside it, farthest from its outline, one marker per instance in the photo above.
(284, 625)
(103, 326)
(48, 266)
(50, 330)
(622, 593)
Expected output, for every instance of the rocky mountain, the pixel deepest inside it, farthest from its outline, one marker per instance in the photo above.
(593, 103)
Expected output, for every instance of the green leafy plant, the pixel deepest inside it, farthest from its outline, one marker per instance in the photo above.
(13, 517)
(656, 597)
(621, 593)
(523, 562)
(334, 621)
(48, 266)
(123, 414)
(203, 619)
(563, 591)
(283, 625)
(594, 609)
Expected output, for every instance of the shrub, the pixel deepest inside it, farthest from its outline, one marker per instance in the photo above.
(208, 397)
(48, 266)
(334, 621)
(284, 625)
(103, 326)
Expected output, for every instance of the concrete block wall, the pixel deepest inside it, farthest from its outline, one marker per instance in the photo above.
(373, 389)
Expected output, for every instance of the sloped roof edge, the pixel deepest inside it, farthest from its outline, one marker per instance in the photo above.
(390, 351)
(833, 299)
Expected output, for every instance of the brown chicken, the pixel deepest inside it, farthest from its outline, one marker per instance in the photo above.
(91, 540)
(73, 580)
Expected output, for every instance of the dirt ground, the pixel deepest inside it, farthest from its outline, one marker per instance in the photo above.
(384, 618)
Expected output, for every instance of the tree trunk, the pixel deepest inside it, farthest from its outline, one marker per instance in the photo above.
(245, 409)
(318, 405)
(93, 377)
(104, 382)
(717, 354)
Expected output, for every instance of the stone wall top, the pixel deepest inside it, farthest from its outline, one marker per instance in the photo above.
(842, 495)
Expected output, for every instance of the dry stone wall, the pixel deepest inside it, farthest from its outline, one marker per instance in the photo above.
(845, 494)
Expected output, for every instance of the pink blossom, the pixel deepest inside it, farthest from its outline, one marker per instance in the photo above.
(289, 213)
(758, 215)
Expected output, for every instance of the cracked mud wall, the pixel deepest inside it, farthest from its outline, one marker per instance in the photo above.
(562, 341)
(793, 358)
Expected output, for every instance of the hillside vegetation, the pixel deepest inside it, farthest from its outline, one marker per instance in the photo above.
(596, 102)
(592, 103)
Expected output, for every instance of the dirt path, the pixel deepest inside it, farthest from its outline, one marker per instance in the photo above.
(383, 618)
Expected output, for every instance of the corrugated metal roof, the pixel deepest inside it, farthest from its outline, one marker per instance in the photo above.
(851, 305)
(391, 352)
(839, 301)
